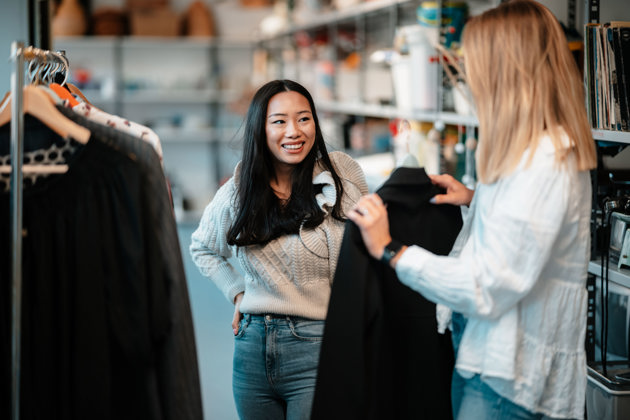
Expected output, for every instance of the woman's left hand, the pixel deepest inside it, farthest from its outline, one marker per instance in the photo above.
(370, 215)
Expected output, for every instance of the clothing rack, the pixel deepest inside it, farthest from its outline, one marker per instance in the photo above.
(17, 151)
(53, 62)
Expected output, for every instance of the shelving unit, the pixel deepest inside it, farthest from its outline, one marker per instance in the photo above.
(180, 87)
(619, 276)
(612, 136)
(593, 13)
(388, 111)
(384, 16)
(603, 392)
(367, 92)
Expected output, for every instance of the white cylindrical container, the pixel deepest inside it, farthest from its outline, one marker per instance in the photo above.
(424, 66)
(402, 78)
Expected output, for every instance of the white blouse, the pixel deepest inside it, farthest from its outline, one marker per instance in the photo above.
(518, 273)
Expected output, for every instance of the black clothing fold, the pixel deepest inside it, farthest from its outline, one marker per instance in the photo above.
(106, 322)
(382, 357)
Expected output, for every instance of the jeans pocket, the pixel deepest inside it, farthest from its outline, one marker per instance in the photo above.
(307, 330)
(242, 326)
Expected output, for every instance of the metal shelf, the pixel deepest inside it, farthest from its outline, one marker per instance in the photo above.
(621, 277)
(330, 18)
(353, 14)
(151, 42)
(173, 135)
(612, 136)
(175, 96)
(388, 111)
(92, 42)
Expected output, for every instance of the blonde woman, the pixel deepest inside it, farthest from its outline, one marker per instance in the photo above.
(518, 269)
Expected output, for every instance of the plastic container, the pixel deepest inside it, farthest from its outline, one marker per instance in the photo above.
(454, 16)
(401, 76)
(422, 81)
(606, 398)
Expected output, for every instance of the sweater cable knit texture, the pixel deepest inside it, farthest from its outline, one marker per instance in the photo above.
(290, 275)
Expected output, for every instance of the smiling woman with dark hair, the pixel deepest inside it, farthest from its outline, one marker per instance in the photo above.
(281, 216)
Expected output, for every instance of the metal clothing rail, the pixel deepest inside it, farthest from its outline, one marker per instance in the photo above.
(17, 151)
(51, 62)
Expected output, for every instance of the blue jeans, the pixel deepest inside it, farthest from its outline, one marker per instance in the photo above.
(472, 399)
(458, 324)
(479, 401)
(275, 366)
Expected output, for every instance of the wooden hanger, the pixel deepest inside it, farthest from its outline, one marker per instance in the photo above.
(75, 90)
(38, 104)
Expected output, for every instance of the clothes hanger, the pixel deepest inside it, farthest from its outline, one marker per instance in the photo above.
(73, 89)
(38, 104)
(408, 160)
(76, 91)
(64, 94)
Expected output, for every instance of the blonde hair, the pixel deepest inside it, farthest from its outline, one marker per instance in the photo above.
(525, 83)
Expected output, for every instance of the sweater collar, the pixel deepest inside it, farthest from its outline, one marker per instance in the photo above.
(325, 199)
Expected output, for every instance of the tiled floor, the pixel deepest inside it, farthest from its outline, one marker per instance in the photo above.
(212, 315)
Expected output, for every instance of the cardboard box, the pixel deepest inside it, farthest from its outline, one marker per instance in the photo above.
(146, 4)
(155, 22)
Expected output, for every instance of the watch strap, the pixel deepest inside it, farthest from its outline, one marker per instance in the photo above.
(390, 251)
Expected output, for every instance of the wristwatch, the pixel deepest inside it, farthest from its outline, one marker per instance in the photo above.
(391, 249)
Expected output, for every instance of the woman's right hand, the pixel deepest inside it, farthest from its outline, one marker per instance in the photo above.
(237, 312)
(456, 192)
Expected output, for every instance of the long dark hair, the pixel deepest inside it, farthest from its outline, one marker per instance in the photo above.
(261, 216)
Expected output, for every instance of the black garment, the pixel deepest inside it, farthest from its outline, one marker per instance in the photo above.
(106, 324)
(382, 357)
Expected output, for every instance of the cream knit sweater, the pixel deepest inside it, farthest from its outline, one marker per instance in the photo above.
(291, 275)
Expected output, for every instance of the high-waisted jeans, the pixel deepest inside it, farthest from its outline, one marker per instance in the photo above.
(472, 399)
(275, 366)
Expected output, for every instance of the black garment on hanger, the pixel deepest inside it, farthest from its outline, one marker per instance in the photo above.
(382, 357)
(106, 324)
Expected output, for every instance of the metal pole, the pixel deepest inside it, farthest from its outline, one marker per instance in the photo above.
(17, 140)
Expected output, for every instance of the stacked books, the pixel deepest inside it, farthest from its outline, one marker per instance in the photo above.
(607, 75)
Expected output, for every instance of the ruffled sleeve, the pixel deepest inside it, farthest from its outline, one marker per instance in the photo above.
(322, 240)
(352, 177)
(328, 197)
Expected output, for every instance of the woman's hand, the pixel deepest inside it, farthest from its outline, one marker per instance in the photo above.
(456, 193)
(237, 312)
(370, 215)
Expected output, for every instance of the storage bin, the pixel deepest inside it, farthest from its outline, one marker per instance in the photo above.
(606, 399)
(155, 22)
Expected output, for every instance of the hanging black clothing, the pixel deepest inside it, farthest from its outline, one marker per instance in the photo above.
(106, 323)
(382, 357)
